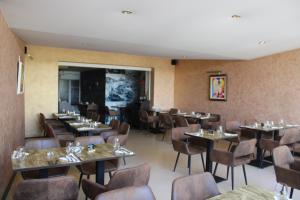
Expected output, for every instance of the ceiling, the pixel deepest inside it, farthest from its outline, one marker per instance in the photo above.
(194, 29)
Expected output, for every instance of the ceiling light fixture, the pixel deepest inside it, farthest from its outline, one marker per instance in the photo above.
(236, 17)
(127, 12)
(262, 42)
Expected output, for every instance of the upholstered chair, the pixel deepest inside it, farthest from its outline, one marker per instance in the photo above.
(54, 122)
(180, 121)
(146, 119)
(197, 186)
(213, 122)
(287, 168)
(135, 176)
(115, 125)
(43, 143)
(185, 145)
(240, 154)
(63, 188)
(233, 127)
(166, 122)
(62, 136)
(90, 168)
(173, 111)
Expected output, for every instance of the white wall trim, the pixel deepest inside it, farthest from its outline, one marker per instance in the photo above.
(90, 65)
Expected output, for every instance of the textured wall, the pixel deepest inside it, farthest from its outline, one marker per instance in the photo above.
(11, 106)
(265, 89)
(41, 78)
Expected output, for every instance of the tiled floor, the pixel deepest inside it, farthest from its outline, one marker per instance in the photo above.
(160, 155)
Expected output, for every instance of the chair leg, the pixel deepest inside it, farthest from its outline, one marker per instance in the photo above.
(110, 175)
(291, 193)
(232, 177)
(124, 160)
(227, 172)
(203, 164)
(229, 146)
(176, 161)
(189, 164)
(215, 169)
(80, 178)
(245, 175)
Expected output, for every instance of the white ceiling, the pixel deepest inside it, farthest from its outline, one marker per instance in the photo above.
(197, 29)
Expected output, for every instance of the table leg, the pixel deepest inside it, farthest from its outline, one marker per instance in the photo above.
(100, 172)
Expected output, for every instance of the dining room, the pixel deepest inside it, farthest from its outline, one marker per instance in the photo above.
(93, 115)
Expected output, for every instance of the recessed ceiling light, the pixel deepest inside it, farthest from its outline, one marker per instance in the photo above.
(262, 42)
(236, 17)
(127, 12)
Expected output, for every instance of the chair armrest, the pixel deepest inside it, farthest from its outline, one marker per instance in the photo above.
(106, 134)
(223, 157)
(180, 146)
(91, 189)
(288, 176)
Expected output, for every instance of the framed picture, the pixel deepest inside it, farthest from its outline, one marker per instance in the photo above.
(20, 77)
(218, 87)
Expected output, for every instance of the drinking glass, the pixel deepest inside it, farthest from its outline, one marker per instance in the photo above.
(116, 144)
(280, 192)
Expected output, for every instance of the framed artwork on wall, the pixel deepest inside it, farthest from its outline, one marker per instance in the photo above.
(218, 87)
(20, 77)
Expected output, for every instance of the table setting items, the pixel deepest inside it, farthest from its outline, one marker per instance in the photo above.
(71, 151)
(19, 154)
(118, 150)
(281, 192)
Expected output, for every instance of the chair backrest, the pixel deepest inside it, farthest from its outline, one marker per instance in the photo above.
(143, 115)
(86, 140)
(166, 121)
(214, 118)
(132, 193)
(180, 121)
(42, 121)
(93, 107)
(134, 176)
(63, 187)
(282, 156)
(198, 186)
(49, 130)
(178, 132)
(114, 124)
(291, 136)
(173, 111)
(232, 126)
(41, 143)
(245, 148)
(124, 128)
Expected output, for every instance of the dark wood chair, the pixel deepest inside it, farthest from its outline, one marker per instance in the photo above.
(173, 111)
(148, 120)
(166, 123)
(180, 121)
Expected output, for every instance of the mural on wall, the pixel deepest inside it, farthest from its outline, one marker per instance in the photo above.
(120, 89)
(218, 87)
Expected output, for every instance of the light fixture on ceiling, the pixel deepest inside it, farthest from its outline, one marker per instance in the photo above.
(127, 12)
(236, 17)
(262, 42)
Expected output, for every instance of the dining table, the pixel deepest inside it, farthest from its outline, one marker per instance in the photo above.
(210, 138)
(261, 129)
(39, 159)
(200, 118)
(87, 128)
(248, 192)
(66, 116)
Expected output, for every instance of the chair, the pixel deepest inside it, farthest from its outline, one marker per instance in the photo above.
(135, 176)
(240, 154)
(115, 125)
(180, 121)
(197, 186)
(233, 127)
(90, 168)
(132, 193)
(54, 122)
(63, 136)
(122, 135)
(182, 144)
(147, 120)
(166, 122)
(63, 188)
(43, 143)
(173, 111)
(290, 138)
(287, 168)
(213, 122)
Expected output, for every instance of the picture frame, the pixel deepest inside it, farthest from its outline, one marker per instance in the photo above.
(20, 77)
(218, 87)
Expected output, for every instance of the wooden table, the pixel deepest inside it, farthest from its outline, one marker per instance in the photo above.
(210, 139)
(246, 193)
(37, 159)
(200, 118)
(259, 131)
(65, 116)
(85, 127)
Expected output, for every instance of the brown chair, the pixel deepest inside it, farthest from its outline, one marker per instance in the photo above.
(180, 121)
(63, 136)
(290, 138)
(241, 154)
(90, 168)
(197, 186)
(122, 135)
(173, 111)
(115, 125)
(43, 143)
(184, 144)
(63, 188)
(213, 122)
(287, 168)
(146, 119)
(132, 193)
(233, 127)
(135, 176)
(166, 123)
(54, 122)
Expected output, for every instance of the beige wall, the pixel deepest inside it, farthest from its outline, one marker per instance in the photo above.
(41, 78)
(265, 89)
(12, 105)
